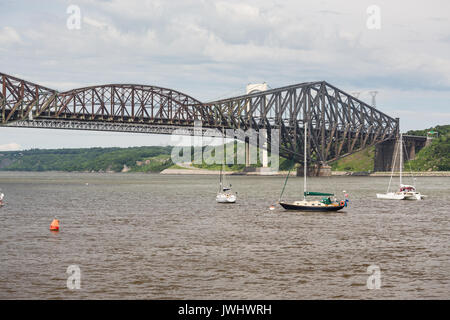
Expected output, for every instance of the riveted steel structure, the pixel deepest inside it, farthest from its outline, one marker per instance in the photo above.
(339, 124)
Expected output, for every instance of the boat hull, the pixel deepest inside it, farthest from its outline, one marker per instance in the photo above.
(222, 198)
(400, 196)
(390, 196)
(295, 207)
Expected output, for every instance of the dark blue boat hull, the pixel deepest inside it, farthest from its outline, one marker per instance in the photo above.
(293, 207)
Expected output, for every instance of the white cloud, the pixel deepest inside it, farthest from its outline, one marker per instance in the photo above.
(9, 36)
(232, 10)
(95, 23)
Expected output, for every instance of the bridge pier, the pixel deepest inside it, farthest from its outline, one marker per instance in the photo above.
(247, 153)
(384, 152)
(263, 152)
(263, 156)
(412, 152)
(263, 149)
(315, 171)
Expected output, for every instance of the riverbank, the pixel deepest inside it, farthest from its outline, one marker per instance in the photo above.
(413, 174)
(396, 174)
(197, 171)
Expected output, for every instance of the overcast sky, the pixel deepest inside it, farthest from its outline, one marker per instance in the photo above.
(213, 49)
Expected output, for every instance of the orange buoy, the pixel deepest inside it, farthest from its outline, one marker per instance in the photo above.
(342, 203)
(54, 226)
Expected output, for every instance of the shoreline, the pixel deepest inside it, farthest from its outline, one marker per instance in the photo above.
(284, 173)
(413, 174)
(240, 173)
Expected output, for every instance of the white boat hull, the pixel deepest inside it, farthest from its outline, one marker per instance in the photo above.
(226, 198)
(390, 196)
(400, 196)
(414, 196)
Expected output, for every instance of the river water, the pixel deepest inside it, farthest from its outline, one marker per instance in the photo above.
(144, 236)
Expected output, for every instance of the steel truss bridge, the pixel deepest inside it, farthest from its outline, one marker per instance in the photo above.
(338, 123)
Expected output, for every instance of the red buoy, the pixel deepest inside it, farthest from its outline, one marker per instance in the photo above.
(54, 226)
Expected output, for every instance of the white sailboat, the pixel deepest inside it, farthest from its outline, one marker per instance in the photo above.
(405, 191)
(224, 194)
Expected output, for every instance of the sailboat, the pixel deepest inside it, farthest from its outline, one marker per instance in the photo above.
(405, 192)
(328, 202)
(224, 194)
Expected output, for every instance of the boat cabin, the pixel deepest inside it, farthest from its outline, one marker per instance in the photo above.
(406, 188)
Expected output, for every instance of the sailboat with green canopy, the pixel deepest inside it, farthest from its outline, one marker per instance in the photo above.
(327, 203)
(310, 193)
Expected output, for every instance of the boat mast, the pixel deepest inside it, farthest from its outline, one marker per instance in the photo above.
(305, 165)
(220, 180)
(393, 169)
(401, 158)
(221, 167)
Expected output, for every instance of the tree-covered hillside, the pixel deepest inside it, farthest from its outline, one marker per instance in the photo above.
(435, 157)
(439, 130)
(239, 153)
(147, 159)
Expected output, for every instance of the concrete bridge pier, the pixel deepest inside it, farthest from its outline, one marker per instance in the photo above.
(263, 149)
(247, 154)
(263, 155)
(316, 170)
(412, 151)
(385, 151)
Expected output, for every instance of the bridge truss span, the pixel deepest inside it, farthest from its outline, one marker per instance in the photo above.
(134, 103)
(339, 124)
